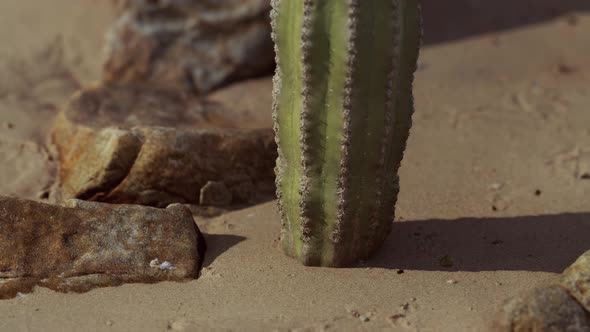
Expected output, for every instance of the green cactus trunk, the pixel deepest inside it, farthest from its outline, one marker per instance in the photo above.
(342, 109)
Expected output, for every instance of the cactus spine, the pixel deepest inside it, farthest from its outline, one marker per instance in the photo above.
(342, 109)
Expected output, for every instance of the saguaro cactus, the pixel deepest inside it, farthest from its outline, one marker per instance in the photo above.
(342, 108)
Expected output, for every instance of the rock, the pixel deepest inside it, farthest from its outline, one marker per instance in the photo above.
(26, 169)
(215, 194)
(242, 103)
(576, 279)
(154, 146)
(446, 261)
(83, 245)
(564, 306)
(543, 309)
(192, 44)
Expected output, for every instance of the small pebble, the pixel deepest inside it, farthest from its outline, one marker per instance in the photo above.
(155, 263)
(398, 319)
(8, 125)
(566, 69)
(354, 313)
(109, 323)
(451, 281)
(446, 261)
(496, 186)
(572, 20)
(364, 319)
(498, 283)
(167, 266)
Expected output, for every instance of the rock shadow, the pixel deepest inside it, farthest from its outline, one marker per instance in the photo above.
(547, 243)
(458, 19)
(217, 244)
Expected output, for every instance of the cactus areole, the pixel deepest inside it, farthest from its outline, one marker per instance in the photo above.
(342, 109)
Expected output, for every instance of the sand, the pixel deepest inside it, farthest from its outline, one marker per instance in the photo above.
(492, 179)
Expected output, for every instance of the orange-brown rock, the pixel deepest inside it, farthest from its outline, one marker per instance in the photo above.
(153, 146)
(192, 44)
(83, 245)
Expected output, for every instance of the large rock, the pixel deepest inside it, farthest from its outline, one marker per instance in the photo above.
(83, 245)
(563, 306)
(548, 309)
(193, 44)
(143, 145)
(576, 279)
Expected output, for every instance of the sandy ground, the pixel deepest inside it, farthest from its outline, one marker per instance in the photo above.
(493, 179)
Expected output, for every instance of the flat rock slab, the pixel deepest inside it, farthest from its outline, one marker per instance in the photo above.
(563, 306)
(193, 45)
(84, 245)
(150, 146)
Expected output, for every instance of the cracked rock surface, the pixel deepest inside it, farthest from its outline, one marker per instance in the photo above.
(151, 146)
(83, 245)
(192, 44)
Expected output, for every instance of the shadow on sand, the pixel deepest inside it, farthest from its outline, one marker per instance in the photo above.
(538, 243)
(447, 20)
(217, 244)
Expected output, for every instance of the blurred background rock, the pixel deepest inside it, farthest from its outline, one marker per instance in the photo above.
(200, 45)
(193, 45)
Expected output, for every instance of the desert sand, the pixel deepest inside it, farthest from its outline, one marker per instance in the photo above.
(493, 188)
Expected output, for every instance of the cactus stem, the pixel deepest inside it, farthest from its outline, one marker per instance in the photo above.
(343, 107)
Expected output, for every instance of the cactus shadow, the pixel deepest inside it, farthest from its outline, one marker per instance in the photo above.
(458, 19)
(547, 243)
(217, 244)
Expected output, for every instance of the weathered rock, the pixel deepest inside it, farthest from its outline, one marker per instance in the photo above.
(576, 279)
(83, 245)
(564, 306)
(142, 145)
(548, 309)
(215, 194)
(26, 169)
(248, 104)
(194, 44)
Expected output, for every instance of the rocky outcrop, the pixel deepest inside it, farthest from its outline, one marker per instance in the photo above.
(151, 146)
(83, 245)
(562, 306)
(194, 45)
